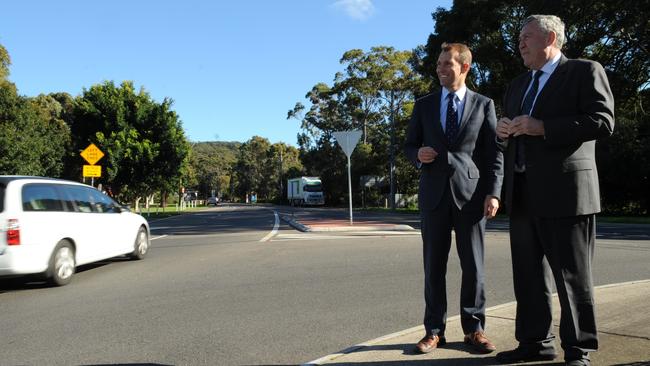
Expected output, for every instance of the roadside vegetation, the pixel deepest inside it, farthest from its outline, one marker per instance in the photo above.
(149, 160)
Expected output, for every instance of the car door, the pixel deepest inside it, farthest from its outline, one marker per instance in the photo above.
(43, 222)
(89, 226)
(118, 234)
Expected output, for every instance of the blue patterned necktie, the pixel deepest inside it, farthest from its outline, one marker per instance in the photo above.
(451, 123)
(526, 108)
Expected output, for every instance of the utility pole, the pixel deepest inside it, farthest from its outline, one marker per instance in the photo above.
(391, 199)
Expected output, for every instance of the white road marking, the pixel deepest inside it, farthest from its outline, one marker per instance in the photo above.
(159, 237)
(275, 228)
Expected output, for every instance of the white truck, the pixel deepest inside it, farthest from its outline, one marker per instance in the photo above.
(305, 191)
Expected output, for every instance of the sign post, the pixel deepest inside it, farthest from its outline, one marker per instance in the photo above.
(92, 154)
(348, 141)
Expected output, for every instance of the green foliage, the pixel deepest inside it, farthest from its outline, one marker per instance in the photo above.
(371, 95)
(624, 164)
(213, 163)
(263, 169)
(55, 131)
(5, 61)
(253, 157)
(143, 141)
(33, 138)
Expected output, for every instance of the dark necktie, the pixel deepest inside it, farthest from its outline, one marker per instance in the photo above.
(526, 108)
(451, 123)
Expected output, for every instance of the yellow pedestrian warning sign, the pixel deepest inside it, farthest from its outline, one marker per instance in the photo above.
(91, 154)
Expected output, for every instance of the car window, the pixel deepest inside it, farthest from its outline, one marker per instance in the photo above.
(102, 202)
(41, 197)
(80, 196)
(67, 198)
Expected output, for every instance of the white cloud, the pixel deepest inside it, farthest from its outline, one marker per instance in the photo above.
(356, 9)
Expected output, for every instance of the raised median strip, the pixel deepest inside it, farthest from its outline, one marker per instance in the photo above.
(330, 225)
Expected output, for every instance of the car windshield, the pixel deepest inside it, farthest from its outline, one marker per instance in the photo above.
(313, 187)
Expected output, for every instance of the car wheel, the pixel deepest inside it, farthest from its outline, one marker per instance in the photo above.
(141, 246)
(62, 264)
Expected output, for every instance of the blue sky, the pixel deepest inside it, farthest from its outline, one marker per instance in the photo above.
(233, 68)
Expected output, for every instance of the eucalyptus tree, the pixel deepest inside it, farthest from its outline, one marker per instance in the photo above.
(5, 62)
(213, 163)
(318, 150)
(371, 94)
(252, 158)
(385, 80)
(283, 163)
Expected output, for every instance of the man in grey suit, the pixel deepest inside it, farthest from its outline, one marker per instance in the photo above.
(553, 116)
(451, 138)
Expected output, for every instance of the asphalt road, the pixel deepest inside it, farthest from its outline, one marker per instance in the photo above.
(219, 289)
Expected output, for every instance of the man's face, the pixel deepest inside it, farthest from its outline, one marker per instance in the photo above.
(450, 72)
(534, 46)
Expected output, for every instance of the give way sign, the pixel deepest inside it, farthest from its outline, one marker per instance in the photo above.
(347, 140)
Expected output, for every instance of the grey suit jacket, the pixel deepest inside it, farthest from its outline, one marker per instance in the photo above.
(472, 165)
(577, 107)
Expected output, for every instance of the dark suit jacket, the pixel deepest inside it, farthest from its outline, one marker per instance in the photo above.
(472, 165)
(577, 107)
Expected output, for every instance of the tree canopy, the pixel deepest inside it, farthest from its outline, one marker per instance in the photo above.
(144, 142)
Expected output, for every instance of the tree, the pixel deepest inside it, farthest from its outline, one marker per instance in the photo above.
(145, 145)
(56, 133)
(5, 62)
(214, 163)
(261, 168)
(318, 151)
(253, 157)
(385, 79)
(370, 95)
(33, 140)
(283, 161)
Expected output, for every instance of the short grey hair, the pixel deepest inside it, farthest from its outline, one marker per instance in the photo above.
(548, 23)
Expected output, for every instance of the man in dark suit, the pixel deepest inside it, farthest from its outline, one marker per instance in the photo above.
(451, 138)
(552, 118)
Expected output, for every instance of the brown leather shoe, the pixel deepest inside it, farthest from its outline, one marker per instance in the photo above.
(479, 342)
(429, 343)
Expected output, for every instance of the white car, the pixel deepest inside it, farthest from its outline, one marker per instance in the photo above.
(51, 226)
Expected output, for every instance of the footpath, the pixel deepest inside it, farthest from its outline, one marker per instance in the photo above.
(622, 311)
(623, 328)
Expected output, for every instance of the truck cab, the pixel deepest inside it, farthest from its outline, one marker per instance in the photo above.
(305, 191)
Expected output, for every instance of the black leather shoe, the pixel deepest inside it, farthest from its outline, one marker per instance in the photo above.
(520, 354)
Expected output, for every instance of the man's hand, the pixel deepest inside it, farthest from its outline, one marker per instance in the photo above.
(491, 206)
(426, 154)
(526, 125)
(503, 128)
